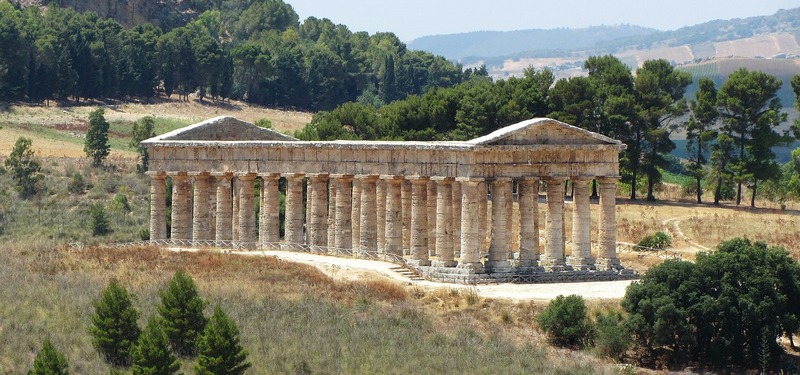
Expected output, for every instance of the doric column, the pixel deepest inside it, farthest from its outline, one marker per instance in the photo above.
(235, 216)
(200, 215)
(405, 197)
(393, 215)
(444, 222)
(269, 233)
(212, 208)
(528, 190)
(343, 232)
(419, 221)
(369, 226)
(158, 205)
(247, 214)
(456, 219)
(581, 258)
(293, 225)
(380, 213)
(470, 227)
(483, 206)
(431, 204)
(181, 210)
(501, 230)
(607, 255)
(331, 226)
(224, 208)
(356, 215)
(553, 258)
(318, 219)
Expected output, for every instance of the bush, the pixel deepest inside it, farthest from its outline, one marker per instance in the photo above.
(114, 324)
(611, 337)
(264, 123)
(565, 321)
(151, 354)
(99, 220)
(49, 361)
(76, 185)
(658, 240)
(120, 203)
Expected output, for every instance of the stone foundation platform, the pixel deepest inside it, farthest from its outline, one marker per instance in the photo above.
(467, 276)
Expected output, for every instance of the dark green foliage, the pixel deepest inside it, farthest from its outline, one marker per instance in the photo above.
(142, 129)
(218, 348)
(99, 220)
(120, 203)
(727, 308)
(181, 310)
(114, 326)
(658, 240)
(565, 321)
(611, 337)
(24, 168)
(700, 130)
(77, 185)
(49, 361)
(264, 123)
(151, 355)
(96, 146)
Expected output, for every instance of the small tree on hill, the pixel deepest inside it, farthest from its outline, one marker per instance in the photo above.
(24, 168)
(565, 321)
(99, 220)
(218, 348)
(142, 129)
(96, 146)
(182, 312)
(114, 328)
(49, 361)
(151, 355)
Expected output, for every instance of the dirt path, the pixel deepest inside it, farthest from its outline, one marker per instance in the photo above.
(673, 225)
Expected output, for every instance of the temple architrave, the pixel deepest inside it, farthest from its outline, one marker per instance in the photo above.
(444, 207)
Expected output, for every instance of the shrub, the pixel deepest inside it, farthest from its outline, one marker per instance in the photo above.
(658, 240)
(76, 185)
(611, 337)
(182, 312)
(114, 328)
(49, 361)
(151, 354)
(120, 203)
(25, 170)
(264, 123)
(565, 321)
(218, 348)
(99, 220)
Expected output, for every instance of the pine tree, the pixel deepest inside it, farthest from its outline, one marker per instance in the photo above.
(219, 350)
(151, 355)
(96, 146)
(182, 312)
(114, 328)
(49, 361)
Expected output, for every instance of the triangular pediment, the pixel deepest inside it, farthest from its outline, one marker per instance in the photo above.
(223, 129)
(543, 131)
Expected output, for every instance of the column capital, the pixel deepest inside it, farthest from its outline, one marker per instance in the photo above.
(317, 175)
(529, 179)
(417, 178)
(498, 179)
(580, 179)
(269, 175)
(342, 177)
(156, 175)
(294, 176)
(246, 176)
(178, 175)
(367, 177)
(391, 177)
(470, 179)
(199, 174)
(442, 179)
(222, 174)
(609, 179)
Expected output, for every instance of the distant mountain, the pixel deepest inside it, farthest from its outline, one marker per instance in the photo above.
(493, 47)
(482, 44)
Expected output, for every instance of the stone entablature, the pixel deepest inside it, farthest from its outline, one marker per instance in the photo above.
(426, 201)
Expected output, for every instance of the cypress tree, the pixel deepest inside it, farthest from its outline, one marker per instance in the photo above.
(96, 146)
(114, 328)
(151, 355)
(49, 361)
(218, 348)
(182, 312)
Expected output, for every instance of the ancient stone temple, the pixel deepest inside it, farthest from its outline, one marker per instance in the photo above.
(444, 207)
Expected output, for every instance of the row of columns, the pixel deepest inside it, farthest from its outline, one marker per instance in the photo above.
(438, 221)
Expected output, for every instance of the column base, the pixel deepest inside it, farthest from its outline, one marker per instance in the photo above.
(554, 265)
(474, 267)
(444, 263)
(608, 264)
(581, 264)
(498, 266)
(527, 266)
(419, 262)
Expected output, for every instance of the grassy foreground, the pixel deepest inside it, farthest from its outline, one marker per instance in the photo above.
(291, 316)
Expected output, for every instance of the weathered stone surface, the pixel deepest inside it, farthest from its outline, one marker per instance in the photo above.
(419, 221)
(444, 222)
(343, 238)
(158, 193)
(269, 220)
(181, 208)
(293, 227)
(224, 207)
(247, 212)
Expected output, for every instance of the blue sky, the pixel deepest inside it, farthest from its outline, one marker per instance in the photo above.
(410, 19)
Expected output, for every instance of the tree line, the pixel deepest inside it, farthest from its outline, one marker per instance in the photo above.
(731, 130)
(255, 50)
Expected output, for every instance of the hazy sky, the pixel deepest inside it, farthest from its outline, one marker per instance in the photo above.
(410, 19)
